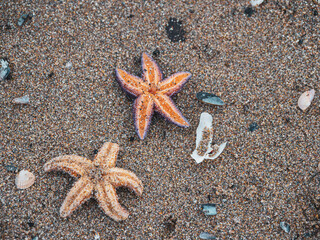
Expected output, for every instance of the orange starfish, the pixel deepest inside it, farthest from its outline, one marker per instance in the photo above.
(153, 93)
(98, 178)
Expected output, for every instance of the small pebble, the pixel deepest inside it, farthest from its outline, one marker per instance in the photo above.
(209, 98)
(253, 126)
(22, 100)
(249, 11)
(23, 19)
(11, 168)
(4, 70)
(209, 209)
(175, 31)
(205, 235)
(285, 227)
(68, 64)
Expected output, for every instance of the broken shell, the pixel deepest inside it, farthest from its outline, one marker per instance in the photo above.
(203, 141)
(305, 99)
(4, 70)
(209, 98)
(256, 2)
(209, 209)
(25, 179)
(285, 227)
(205, 235)
(21, 100)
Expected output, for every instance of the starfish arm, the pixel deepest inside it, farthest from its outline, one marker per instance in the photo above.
(119, 177)
(174, 83)
(132, 84)
(168, 109)
(72, 164)
(150, 69)
(108, 201)
(107, 155)
(79, 193)
(143, 110)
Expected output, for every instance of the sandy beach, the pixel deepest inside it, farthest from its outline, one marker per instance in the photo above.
(258, 60)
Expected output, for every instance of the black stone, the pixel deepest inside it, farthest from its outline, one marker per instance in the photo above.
(156, 53)
(131, 139)
(300, 42)
(315, 13)
(51, 74)
(248, 11)
(95, 151)
(175, 31)
(131, 16)
(30, 224)
(253, 126)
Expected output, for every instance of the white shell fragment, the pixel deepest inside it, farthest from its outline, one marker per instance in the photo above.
(256, 2)
(24, 179)
(21, 100)
(305, 99)
(203, 141)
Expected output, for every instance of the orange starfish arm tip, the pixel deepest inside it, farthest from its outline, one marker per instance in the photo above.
(168, 109)
(72, 164)
(143, 110)
(107, 155)
(150, 69)
(80, 192)
(119, 177)
(108, 201)
(174, 83)
(132, 84)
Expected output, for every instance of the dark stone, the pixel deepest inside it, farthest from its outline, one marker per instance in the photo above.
(95, 151)
(315, 13)
(51, 74)
(300, 42)
(248, 11)
(191, 11)
(131, 139)
(131, 16)
(156, 53)
(175, 31)
(253, 126)
(170, 224)
(30, 224)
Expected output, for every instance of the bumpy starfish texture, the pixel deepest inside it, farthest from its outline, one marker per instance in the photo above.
(153, 93)
(98, 178)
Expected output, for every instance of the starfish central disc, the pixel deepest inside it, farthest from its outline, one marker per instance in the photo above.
(153, 94)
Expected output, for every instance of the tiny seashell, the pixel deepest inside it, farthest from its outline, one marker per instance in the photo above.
(25, 179)
(285, 227)
(22, 100)
(4, 70)
(305, 99)
(68, 64)
(256, 2)
(209, 98)
(205, 235)
(209, 209)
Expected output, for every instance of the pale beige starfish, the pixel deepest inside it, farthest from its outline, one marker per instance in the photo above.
(98, 178)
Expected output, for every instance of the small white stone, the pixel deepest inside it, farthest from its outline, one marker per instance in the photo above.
(22, 100)
(68, 64)
(25, 179)
(305, 99)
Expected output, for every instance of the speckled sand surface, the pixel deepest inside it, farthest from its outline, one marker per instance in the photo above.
(259, 65)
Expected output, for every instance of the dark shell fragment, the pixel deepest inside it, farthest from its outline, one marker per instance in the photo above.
(205, 235)
(209, 209)
(209, 98)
